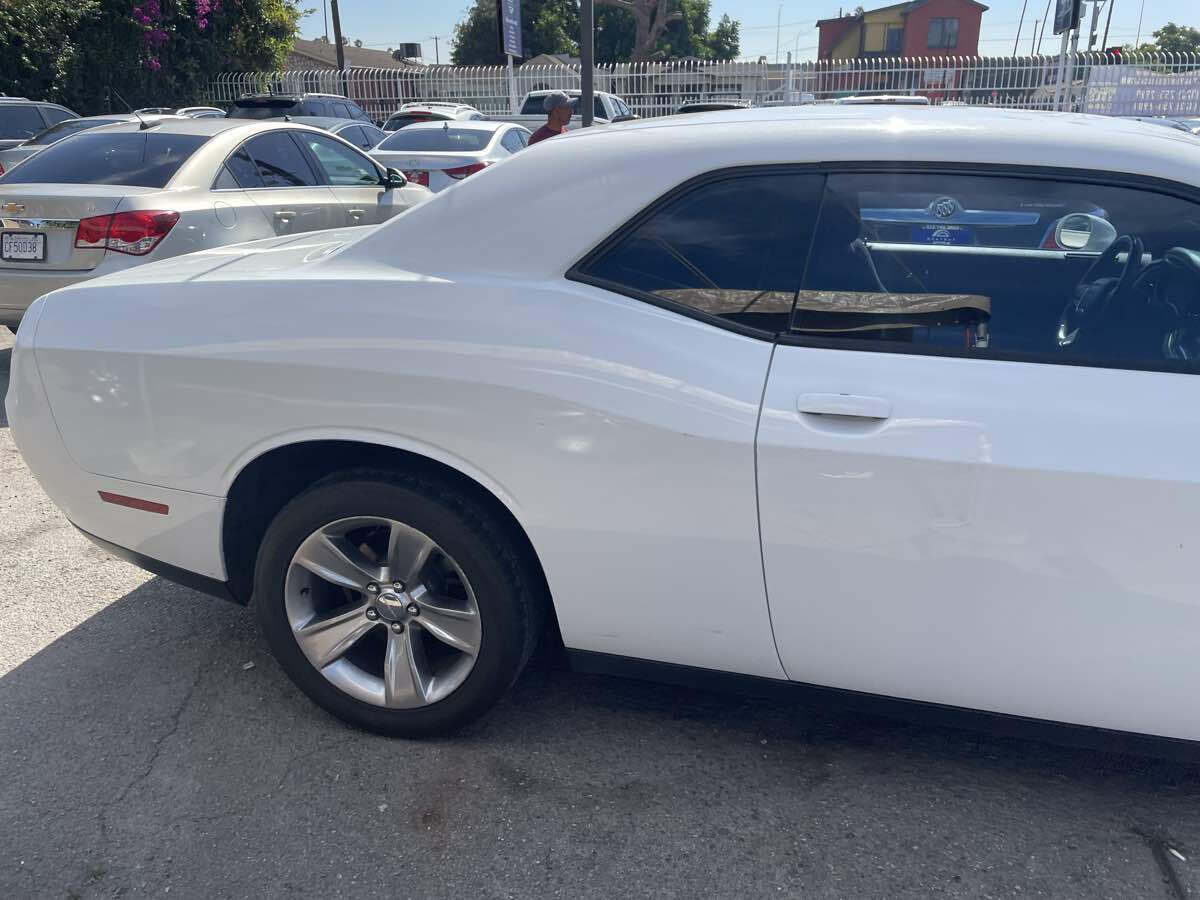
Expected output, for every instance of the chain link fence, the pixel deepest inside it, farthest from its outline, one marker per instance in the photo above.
(1111, 84)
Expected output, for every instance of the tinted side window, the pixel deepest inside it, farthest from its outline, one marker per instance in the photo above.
(733, 248)
(343, 111)
(1007, 267)
(371, 136)
(19, 121)
(244, 169)
(341, 165)
(225, 180)
(139, 158)
(280, 162)
(56, 114)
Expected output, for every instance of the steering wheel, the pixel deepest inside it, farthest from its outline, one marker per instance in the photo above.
(1093, 296)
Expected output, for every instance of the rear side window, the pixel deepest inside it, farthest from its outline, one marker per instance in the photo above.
(342, 111)
(1005, 267)
(243, 169)
(512, 141)
(733, 248)
(56, 114)
(279, 161)
(447, 139)
(370, 136)
(318, 108)
(19, 121)
(139, 158)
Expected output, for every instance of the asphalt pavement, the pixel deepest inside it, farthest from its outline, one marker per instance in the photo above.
(149, 745)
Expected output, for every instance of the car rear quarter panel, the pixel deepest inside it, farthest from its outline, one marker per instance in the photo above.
(619, 435)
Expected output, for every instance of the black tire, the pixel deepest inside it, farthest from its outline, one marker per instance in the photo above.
(511, 606)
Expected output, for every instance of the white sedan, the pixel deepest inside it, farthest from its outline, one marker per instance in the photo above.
(439, 154)
(891, 401)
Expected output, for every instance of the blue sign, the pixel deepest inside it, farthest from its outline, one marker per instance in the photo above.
(1066, 15)
(509, 16)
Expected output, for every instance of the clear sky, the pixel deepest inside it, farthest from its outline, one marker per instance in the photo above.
(386, 23)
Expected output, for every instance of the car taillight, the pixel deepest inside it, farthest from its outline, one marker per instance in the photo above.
(1, 168)
(463, 171)
(418, 177)
(136, 233)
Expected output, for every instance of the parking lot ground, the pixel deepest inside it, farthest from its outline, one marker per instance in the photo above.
(149, 746)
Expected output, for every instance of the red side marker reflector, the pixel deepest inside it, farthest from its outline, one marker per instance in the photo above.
(134, 502)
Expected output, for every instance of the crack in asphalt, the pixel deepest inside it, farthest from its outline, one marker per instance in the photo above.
(155, 753)
(1159, 850)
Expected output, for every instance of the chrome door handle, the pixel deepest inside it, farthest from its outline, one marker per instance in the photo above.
(357, 213)
(285, 215)
(850, 405)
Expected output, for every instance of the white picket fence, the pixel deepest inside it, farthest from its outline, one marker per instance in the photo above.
(1128, 84)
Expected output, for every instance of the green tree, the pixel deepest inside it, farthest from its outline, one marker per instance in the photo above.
(1171, 38)
(547, 26)
(725, 41)
(686, 36)
(152, 52)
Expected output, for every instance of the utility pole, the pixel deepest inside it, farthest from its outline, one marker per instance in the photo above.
(1045, 16)
(1033, 37)
(437, 60)
(1138, 40)
(586, 63)
(1017, 39)
(1095, 22)
(337, 38)
(778, 26)
(1107, 22)
(325, 11)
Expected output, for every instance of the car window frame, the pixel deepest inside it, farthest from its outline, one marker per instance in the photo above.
(362, 127)
(315, 163)
(516, 136)
(225, 163)
(308, 161)
(1096, 177)
(576, 272)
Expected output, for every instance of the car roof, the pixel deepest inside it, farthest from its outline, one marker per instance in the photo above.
(327, 122)
(459, 125)
(189, 125)
(629, 165)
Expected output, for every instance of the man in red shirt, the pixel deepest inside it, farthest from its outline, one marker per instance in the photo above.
(558, 114)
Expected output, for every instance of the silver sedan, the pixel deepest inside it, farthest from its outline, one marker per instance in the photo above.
(126, 194)
(439, 154)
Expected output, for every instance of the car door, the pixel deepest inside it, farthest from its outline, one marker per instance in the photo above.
(355, 181)
(234, 208)
(721, 258)
(291, 193)
(969, 493)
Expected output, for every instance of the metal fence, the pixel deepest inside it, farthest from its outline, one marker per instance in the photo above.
(1112, 84)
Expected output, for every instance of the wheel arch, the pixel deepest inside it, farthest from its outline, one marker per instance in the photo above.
(266, 478)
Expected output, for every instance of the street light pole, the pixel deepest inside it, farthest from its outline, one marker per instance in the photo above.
(337, 38)
(586, 63)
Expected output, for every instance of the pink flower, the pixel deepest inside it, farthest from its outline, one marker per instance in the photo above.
(153, 64)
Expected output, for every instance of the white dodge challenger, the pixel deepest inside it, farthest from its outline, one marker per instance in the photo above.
(893, 401)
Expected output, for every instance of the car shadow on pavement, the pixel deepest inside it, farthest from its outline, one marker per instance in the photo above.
(157, 745)
(5, 363)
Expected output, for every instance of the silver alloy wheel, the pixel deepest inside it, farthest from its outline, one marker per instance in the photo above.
(382, 612)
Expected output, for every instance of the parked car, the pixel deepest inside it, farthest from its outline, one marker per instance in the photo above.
(122, 195)
(55, 133)
(439, 154)
(430, 112)
(194, 112)
(696, 106)
(692, 406)
(276, 106)
(363, 135)
(1192, 123)
(1164, 122)
(607, 108)
(21, 119)
(885, 99)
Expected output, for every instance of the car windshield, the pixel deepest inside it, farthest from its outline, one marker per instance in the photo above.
(130, 158)
(19, 121)
(262, 109)
(463, 140)
(70, 126)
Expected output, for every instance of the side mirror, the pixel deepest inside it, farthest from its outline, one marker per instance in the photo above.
(1080, 231)
(394, 179)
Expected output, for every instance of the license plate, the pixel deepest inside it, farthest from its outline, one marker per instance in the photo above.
(417, 177)
(941, 234)
(24, 247)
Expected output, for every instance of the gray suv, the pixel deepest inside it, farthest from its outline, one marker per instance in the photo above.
(21, 119)
(276, 106)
